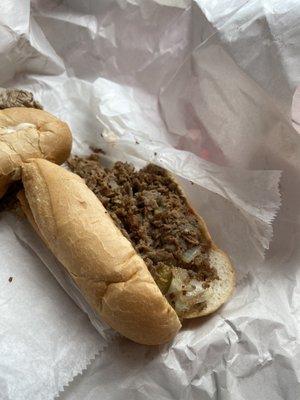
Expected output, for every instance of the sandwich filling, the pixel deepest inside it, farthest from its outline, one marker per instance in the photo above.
(151, 211)
(17, 98)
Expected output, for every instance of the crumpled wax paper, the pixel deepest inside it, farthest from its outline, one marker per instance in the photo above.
(203, 88)
(44, 338)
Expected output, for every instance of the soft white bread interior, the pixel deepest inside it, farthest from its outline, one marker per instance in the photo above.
(112, 276)
(220, 290)
(28, 133)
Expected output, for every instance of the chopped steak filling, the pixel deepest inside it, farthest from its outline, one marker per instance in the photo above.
(17, 98)
(149, 208)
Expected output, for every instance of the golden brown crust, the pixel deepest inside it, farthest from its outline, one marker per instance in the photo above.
(102, 262)
(42, 136)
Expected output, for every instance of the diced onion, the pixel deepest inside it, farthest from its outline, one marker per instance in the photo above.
(185, 291)
(190, 254)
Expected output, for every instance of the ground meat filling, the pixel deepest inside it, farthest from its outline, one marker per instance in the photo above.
(152, 213)
(17, 98)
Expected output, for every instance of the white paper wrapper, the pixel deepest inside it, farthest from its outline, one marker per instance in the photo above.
(44, 338)
(195, 87)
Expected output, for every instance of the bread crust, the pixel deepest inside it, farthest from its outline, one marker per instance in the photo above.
(111, 275)
(30, 133)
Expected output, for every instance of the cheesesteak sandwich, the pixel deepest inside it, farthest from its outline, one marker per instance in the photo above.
(26, 133)
(138, 252)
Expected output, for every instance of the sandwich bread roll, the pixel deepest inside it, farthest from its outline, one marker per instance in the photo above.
(111, 275)
(29, 133)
